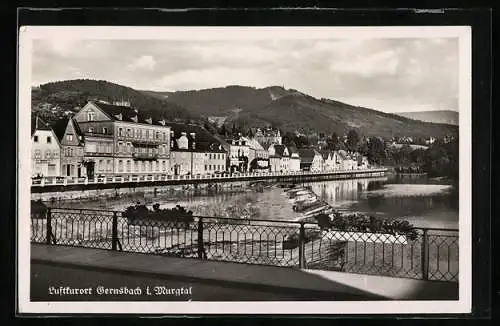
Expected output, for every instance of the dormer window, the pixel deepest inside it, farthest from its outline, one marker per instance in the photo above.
(104, 130)
(134, 118)
(149, 120)
(119, 116)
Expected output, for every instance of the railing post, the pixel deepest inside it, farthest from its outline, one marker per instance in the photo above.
(114, 232)
(49, 226)
(424, 256)
(200, 238)
(302, 237)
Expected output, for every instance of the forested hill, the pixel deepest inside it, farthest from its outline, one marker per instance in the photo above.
(70, 94)
(287, 109)
(292, 110)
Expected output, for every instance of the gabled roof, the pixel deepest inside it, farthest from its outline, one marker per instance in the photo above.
(280, 150)
(325, 154)
(39, 124)
(127, 113)
(293, 150)
(204, 140)
(343, 154)
(59, 128)
(253, 144)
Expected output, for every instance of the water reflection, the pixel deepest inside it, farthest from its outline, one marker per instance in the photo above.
(425, 203)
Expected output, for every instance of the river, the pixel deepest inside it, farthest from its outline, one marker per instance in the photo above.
(424, 202)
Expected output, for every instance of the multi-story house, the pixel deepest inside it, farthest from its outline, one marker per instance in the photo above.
(120, 140)
(258, 156)
(239, 153)
(331, 160)
(45, 150)
(268, 136)
(72, 147)
(279, 158)
(347, 161)
(310, 160)
(194, 151)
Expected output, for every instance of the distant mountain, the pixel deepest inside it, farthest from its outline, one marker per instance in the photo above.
(292, 110)
(288, 109)
(448, 117)
(70, 94)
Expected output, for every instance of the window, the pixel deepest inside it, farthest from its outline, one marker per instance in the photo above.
(164, 137)
(105, 130)
(100, 166)
(91, 129)
(110, 166)
(49, 139)
(47, 154)
(136, 133)
(91, 116)
(35, 138)
(120, 132)
(129, 132)
(128, 165)
(157, 135)
(38, 154)
(147, 133)
(120, 166)
(69, 137)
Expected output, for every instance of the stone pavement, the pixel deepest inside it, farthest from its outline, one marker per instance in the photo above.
(61, 266)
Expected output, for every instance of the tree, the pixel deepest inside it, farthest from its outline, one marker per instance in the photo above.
(223, 130)
(376, 150)
(332, 143)
(352, 140)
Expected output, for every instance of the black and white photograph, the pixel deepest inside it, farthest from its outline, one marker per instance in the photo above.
(244, 169)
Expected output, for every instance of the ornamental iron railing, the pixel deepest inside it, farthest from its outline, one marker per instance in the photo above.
(431, 254)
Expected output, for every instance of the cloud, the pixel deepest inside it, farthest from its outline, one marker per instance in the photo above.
(146, 62)
(384, 74)
(380, 63)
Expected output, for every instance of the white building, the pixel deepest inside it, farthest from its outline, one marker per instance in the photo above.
(279, 158)
(45, 150)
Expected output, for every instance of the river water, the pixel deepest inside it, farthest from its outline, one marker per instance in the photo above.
(424, 202)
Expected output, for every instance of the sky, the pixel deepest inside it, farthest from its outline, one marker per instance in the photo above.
(391, 75)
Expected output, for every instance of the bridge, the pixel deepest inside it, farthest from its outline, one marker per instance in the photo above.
(58, 184)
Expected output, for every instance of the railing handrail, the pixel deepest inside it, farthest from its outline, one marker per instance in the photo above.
(51, 180)
(111, 212)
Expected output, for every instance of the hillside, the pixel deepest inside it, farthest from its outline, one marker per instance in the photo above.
(71, 94)
(448, 117)
(246, 107)
(294, 111)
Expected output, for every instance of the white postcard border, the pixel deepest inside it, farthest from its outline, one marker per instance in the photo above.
(28, 33)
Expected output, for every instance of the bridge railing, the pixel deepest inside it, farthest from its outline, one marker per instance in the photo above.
(104, 179)
(429, 254)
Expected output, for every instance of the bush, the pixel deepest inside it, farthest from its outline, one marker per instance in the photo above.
(364, 223)
(142, 212)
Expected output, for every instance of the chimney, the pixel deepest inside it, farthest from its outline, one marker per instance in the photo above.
(162, 122)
